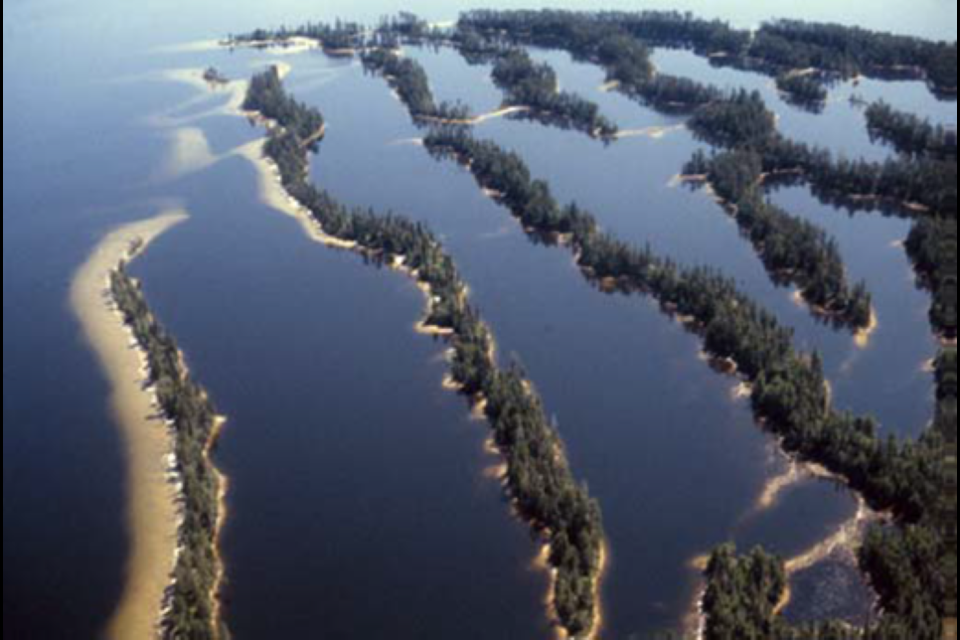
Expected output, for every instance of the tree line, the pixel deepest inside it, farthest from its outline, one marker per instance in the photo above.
(789, 395)
(909, 134)
(189, 601)
(410, 81)
(803, 90)
(776, 48)
(925, 246)
(265, 96)
(535, 85)
(539, 478)
(905, 185)
(793, 250)
(789, 391)
(613, 40)
(625, 58)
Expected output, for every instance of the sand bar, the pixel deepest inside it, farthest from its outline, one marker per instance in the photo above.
(152, 516)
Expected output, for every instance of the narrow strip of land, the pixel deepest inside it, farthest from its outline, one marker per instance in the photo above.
(152, 513)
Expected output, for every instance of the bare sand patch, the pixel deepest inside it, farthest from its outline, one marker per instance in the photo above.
(275, 196)
(653, 133)
(189, 153)
(152, 512)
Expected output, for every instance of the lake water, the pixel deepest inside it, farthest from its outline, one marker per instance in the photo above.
(359, 502)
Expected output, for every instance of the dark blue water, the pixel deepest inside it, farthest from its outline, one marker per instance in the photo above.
(358, 503)
(627, 185)
(636, 406)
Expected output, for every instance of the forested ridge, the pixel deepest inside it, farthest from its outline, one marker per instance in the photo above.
(792, 249)
(189, 603)
(924, 246)
(906, 185)
(789, 398)
(789, 395)
(606, 43)
(538, 478)
(409, 80)
(805, 90)
(535, 85)
(909, 134)
(776, 48)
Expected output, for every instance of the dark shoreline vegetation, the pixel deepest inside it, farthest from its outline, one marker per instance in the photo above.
(789, 389)
(619, 42)
(910, 135)
(789, 394)
(803, 90)
(910, 187)
(534, 84)
(788, 397)
(190, 602)
(531, 87)
(793, 251)
(538, 475)
(837, 52)
(905, 561)
(923, 246)
(410, 82)
(728, 120)
(896, 476)
(625, 58)
(530, 84)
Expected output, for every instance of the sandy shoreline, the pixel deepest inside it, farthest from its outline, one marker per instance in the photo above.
(475, 120)
(152, 511)
(654, 133)
(274, 195)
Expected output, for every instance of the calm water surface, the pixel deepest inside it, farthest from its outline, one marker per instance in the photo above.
(358, 502)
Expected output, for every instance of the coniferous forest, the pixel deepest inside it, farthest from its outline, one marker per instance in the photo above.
(789, 394)
(191, 599)
(591, 324)
(788, 389)
(539, 479)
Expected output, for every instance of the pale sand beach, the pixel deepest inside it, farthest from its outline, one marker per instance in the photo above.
(275, 196)
(152, 512)
(846, 540)
(476, 120)
(234, 90)
(863, 336)
(653, 133)
(198, 46)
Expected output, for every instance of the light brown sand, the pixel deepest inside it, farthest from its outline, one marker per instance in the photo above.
(846, 540)
(654, 133)
(273, 195)
(862, 336)
(152, 517)
(493, 115)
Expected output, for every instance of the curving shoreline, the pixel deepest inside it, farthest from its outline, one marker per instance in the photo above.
(153, 516)
(274, 195)
(448, 314)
